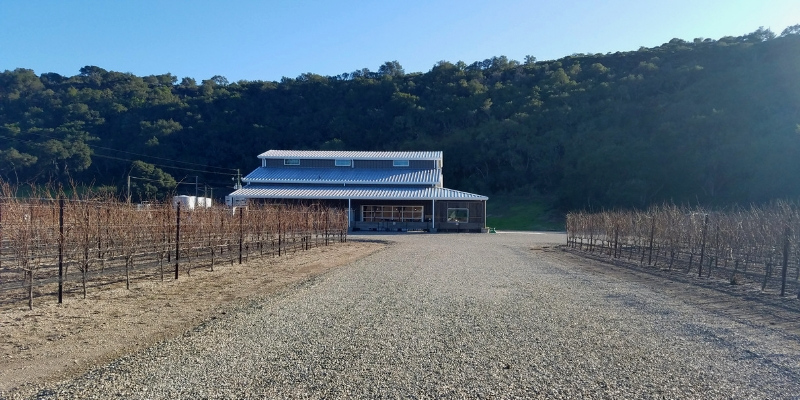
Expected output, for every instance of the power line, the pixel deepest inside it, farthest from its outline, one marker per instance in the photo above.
(121, 151)
(130, 160)
(167, 166)
(28, 132)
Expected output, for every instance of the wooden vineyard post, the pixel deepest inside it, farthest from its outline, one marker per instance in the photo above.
(29, 253)
(702, 248)
(1, 233)
(177, 240)
(785, 260)
(767, 273)
(652, 234)
(735, 269)
(241, 232)
(60, 249)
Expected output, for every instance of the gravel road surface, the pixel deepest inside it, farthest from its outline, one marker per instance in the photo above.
(459, 316)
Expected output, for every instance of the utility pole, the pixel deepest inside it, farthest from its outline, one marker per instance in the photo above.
(129, 190)
(195, 186)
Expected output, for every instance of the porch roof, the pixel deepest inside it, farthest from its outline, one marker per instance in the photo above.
(341, 192)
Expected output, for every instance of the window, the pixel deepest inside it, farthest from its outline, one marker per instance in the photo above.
(291, 161)
(343, 163)
(458, 215)
(400, 163)
(392, 213)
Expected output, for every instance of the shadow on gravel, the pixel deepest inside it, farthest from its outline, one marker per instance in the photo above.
(743, 302)
(366, 239)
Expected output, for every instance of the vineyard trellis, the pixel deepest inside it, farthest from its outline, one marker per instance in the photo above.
(49, 245)
(738, 245)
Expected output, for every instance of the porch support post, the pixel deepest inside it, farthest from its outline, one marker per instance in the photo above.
(349, 214)
(433, 215)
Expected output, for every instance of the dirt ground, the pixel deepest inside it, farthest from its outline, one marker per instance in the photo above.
(54, 342)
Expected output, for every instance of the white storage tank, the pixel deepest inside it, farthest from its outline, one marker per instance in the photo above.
(186, 202)
(204, 202)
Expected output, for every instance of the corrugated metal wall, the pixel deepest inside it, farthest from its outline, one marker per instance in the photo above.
(278, 163)
(412, 164)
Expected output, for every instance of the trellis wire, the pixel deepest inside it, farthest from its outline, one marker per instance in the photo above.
(737, 245)
(108, 241)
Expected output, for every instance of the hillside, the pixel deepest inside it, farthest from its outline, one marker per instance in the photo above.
(705, 121)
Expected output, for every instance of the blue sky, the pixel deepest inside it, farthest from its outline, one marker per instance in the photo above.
(266, 40)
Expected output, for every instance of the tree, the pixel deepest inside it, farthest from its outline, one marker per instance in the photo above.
(149, 182)
(791, 30)
(391, 68)
(761, 35)
(11, 161)
(220, 80)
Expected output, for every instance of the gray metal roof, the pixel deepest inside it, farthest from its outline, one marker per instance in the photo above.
(354, 155)
(352, 192)
(344, 176)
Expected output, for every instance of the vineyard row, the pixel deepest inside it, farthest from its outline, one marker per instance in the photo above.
(759, 244)
(48, 244)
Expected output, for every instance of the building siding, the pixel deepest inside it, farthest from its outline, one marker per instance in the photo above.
(305, 163)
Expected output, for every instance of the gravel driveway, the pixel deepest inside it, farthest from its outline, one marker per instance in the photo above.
(459, 316)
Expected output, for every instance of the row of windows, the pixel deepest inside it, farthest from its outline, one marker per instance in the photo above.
(345, 163)
(392, 213)
(408, 214)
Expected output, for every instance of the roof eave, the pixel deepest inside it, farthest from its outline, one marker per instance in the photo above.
(343, 183)
(414, 198)
(263, 157)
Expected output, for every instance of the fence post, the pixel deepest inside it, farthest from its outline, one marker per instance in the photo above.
(60, 249)
(702, 248)
(1, 233)
(177, 239)
(735, 269)
(785, 260)
(652, 234)
(241, 232)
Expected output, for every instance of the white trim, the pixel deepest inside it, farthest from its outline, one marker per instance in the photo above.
(355, 155)
(433, 216)
(432, 184)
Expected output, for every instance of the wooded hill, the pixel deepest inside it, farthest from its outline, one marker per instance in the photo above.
(709, 122)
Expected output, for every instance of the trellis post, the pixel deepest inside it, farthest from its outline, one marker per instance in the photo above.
(177, 239)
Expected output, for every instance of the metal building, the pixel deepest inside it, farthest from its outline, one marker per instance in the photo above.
(395, 190)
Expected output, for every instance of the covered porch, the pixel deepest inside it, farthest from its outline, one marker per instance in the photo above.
(389, 209)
